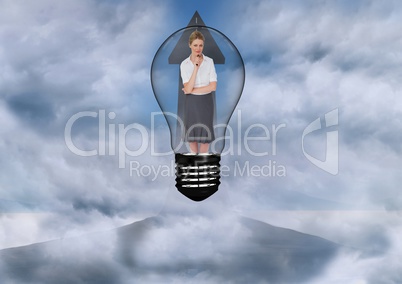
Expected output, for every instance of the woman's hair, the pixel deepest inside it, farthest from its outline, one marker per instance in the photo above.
(195, 35)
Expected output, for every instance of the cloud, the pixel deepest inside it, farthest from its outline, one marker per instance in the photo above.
(58, 60)
(369, 240)
(302, 60)
(171, 248)
(71, 56)
(213, 244)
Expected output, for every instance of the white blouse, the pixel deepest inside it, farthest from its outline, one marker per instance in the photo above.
(206, 73)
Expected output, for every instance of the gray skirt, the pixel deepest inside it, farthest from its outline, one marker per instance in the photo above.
(198, 118)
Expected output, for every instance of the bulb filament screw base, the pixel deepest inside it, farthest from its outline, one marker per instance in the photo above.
(197, 176)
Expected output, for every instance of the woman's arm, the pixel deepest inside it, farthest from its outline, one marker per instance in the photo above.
(189, 86)
(206, 89)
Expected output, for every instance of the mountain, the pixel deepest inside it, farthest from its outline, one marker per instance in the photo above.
(173, 248)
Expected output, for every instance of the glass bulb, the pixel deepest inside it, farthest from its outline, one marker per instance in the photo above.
(197, 175)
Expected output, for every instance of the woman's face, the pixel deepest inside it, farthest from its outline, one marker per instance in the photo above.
(197, 46)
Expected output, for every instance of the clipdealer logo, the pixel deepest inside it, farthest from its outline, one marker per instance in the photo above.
(152, 172)
(330, 164)
(111, 137)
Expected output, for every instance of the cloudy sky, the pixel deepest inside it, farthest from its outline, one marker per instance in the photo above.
(329, 66)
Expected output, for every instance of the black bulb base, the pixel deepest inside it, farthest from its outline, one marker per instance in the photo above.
(197, 176)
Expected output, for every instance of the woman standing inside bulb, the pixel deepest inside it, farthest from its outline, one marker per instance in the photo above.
(199, 80)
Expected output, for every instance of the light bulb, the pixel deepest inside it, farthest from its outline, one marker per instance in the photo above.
(197, 175)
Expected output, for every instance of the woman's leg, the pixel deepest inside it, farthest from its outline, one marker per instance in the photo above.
(204, 147)
(194, 147)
